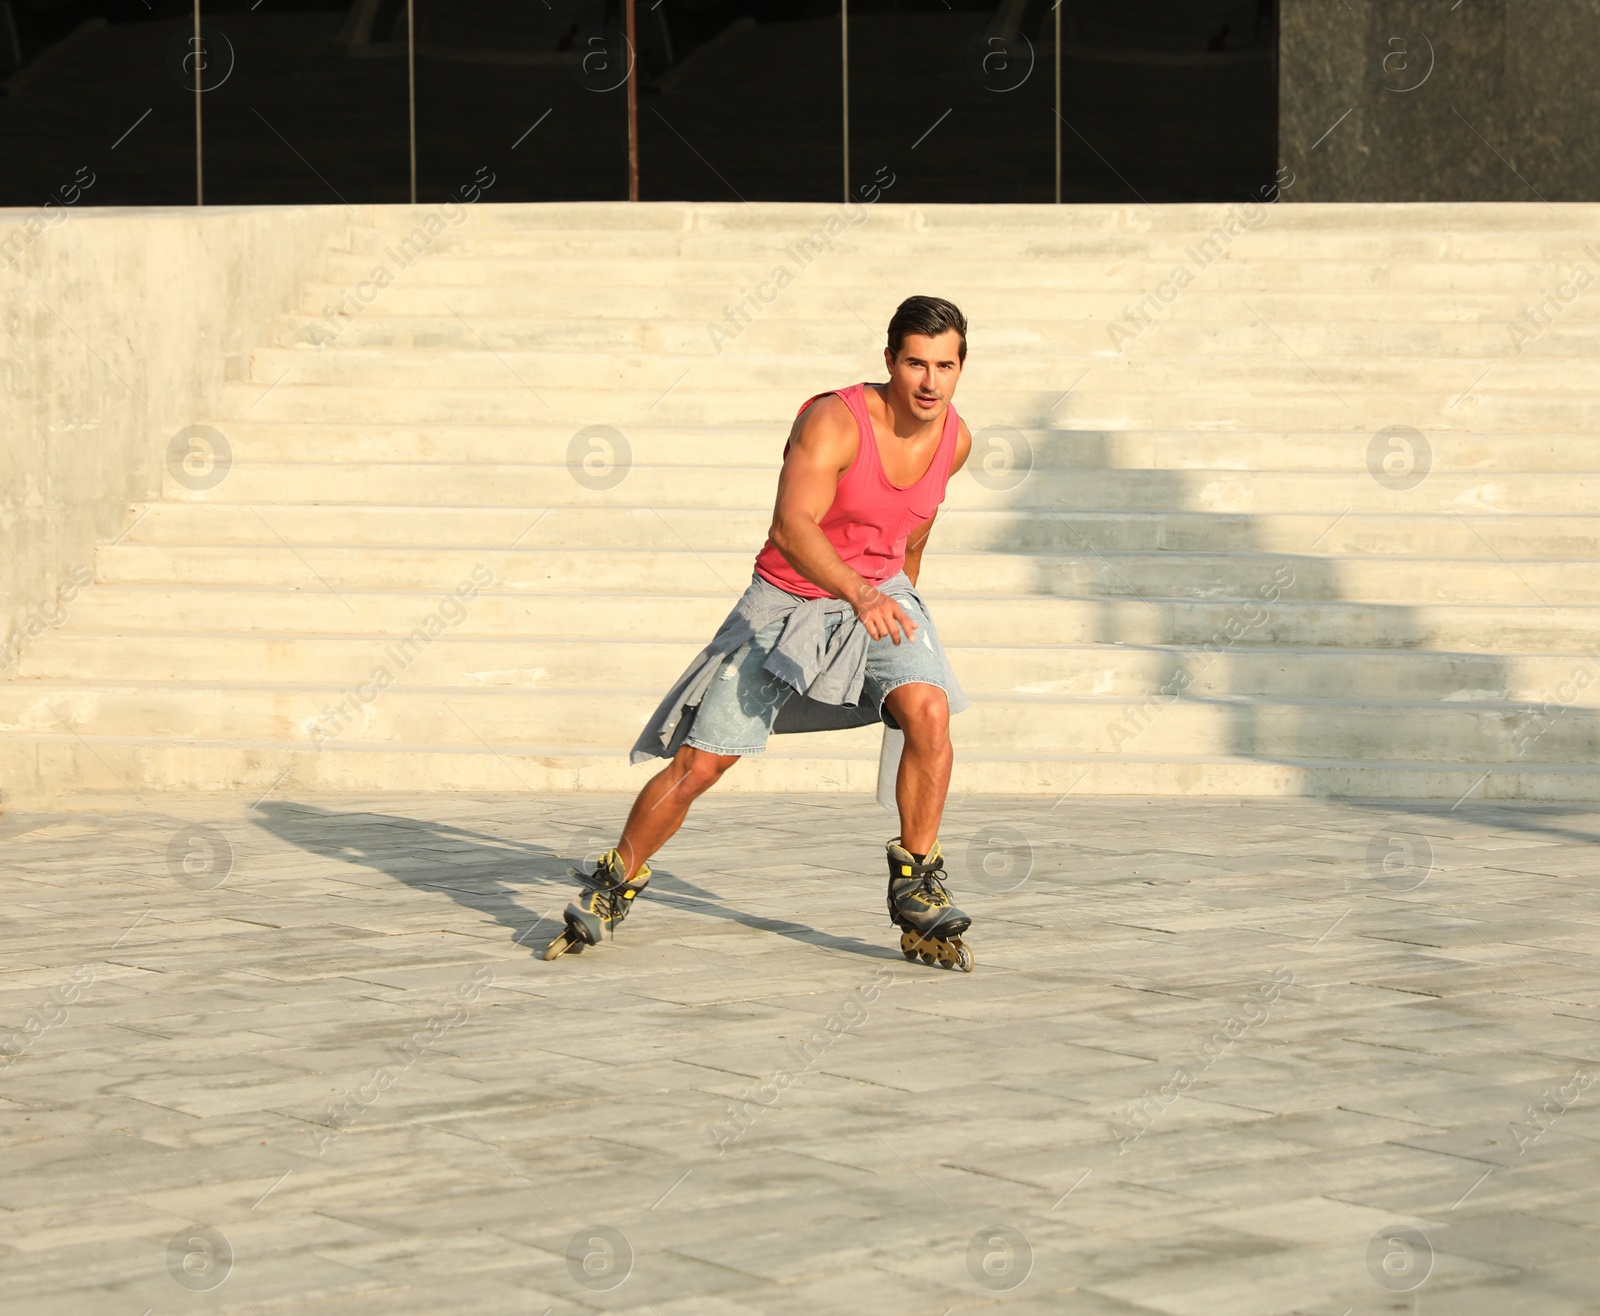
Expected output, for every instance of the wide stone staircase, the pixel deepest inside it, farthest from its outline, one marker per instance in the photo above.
(1314, 520)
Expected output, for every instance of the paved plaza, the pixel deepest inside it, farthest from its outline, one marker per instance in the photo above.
(1216, 1057)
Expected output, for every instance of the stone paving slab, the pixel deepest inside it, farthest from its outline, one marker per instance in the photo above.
(1214, 1058)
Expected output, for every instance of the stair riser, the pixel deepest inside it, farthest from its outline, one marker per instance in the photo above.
(397, 716)
(1012, 371)
(1357, 340)
(651, 445)
(1275, 240)
(1573, 538)
(693, 618)
(751, 488)
(977, 221)
(1397, 582)
(532, 663)
(538, 401)
(844, 267)
(1158, 575)
(45, 768)
(814, 299)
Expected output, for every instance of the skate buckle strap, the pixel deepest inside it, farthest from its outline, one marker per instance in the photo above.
(925, 875)
(609, 892)
(607, 874)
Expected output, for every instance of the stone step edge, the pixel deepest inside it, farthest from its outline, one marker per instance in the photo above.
(1428, 516)
(638, 598)
(1411, 557)
(777, 751)
(771, 467)
(1013, 324)
(1034, 512)
(1169, 647)
(69, 686)
(642, 551)
(274, 770)
(744, 429)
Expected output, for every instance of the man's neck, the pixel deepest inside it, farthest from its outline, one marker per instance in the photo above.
(908, 427)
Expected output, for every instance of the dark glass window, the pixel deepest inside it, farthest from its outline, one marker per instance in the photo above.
(1168, 101)
(534, 93)
(95, 93)
(311, 101)
(303, 106)
(954, 97)
(741, 101)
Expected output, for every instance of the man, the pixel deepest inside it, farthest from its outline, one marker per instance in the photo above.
(832, 613)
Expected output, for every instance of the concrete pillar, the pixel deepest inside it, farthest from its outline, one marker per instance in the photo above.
(1440, 100)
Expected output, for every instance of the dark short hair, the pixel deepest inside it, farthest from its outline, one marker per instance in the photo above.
(930, 316)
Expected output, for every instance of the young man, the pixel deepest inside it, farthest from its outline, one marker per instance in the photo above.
(832, 612)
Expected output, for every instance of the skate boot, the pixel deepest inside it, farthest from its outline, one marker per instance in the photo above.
(919, 905)
(601, 905)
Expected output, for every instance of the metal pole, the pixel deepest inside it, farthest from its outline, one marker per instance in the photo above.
(199, 88)
(411, 78)
(633, 108)
(844, 62)
(1060, 18)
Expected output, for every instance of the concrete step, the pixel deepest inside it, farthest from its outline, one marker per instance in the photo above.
(524, 401)
(1266, 369)
(748, 488)
(1273, 238)
(887, 269)
(113, 764)
(360, 326)
(1571, 537)
(692, 617)
(870, 307)
(927, 220)
(367, 713)
(1242, 576)
(663, 445)
(536, 662)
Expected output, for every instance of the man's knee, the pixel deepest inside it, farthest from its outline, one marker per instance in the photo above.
(701, 768)
(923, 712)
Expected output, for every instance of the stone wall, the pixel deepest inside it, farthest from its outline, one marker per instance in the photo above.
(117, 329)
(1440, 100)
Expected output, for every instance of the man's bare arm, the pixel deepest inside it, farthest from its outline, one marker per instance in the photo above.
(820, 451)
(822, 445)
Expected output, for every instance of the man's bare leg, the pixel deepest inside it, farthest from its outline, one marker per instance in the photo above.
(923, 712)
(929, 921)
(664, 802)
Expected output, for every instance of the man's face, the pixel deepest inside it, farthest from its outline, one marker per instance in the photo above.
(922, 379)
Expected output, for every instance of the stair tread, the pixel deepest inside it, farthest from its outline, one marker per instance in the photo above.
(777, 748)
(412, 690)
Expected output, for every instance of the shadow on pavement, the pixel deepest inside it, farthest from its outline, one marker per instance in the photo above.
(491, 874)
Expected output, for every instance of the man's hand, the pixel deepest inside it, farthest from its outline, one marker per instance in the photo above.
(880, 614)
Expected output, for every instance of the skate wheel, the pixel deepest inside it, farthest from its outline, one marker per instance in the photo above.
(964, 959)
(561, 945)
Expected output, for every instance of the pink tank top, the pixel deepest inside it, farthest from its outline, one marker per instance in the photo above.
(870, 518)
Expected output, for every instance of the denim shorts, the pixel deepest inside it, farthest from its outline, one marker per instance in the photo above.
(737, 712)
